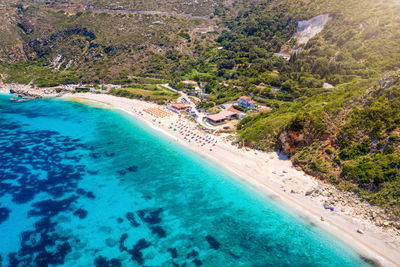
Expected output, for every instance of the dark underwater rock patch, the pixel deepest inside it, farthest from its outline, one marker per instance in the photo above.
(90, 195)
(122, 239)
(41, 247)
(51, 207)
(121, 172)
(128, 169)
(80, 191)
(174, 252)
(81, 213)
(197, 262)
(213, 242)
(56, 158)
(152, 217)
(24, 195)
(4, 213)
(94, 155)
(92, 172)
(192, 254)
(159, 231)
(54, 258)
(101, 261)
(136, 252)
(131, 218)
(87, 194)
(109, 154)
(132, 169)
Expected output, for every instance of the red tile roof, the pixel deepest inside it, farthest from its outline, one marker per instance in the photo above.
(221, 116)
(180, 105)
(234, 110)
(246, 97)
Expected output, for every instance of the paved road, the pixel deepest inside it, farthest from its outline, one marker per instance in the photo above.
(200, 116)
(147, 12)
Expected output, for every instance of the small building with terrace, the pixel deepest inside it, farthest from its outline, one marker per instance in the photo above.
(246, 102)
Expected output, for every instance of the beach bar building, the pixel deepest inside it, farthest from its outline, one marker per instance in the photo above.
(178, 107)
(221, 117)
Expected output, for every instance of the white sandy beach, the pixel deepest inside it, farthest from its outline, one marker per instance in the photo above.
(4, 90)
(274, 175)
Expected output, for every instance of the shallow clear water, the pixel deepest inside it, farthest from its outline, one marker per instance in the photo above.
(85, 186)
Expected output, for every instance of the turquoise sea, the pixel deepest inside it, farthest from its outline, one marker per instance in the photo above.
(86, 186)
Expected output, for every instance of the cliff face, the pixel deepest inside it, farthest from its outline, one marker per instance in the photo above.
(290, 141)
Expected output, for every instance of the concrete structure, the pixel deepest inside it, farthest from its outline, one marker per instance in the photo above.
(284, 55)
(113, 86)
(220, 117)
(189, 84)
(242, 115)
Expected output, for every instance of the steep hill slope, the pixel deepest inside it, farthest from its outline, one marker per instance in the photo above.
(95, 46)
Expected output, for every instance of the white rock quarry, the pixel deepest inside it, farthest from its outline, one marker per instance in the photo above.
(307, 29)
(58, 61)
(328, 86)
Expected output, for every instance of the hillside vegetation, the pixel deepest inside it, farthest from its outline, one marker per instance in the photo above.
(347, 135)
(49, 47)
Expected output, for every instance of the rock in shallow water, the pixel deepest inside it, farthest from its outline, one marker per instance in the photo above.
(103, 262)
(4, 213)
(213, 242)
(159, 231)
(122, 239)
(136, 252)
(236, 251)
(131, 218)
(81, 213)
(174, 252)
(192, 254)
(111, 242)
(152, 217)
